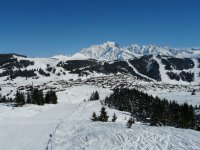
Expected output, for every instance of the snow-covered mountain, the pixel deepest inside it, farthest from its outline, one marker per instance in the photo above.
(112, 51)
(105, 51)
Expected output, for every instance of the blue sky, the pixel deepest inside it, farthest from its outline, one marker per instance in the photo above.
(49, 27)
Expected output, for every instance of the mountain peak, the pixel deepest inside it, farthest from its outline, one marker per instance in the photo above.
(111, 44)
(105, 51)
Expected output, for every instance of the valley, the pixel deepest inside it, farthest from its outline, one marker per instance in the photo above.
(74, 78)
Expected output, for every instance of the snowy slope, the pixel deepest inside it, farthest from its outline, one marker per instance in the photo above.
(28, 127)
(115, 136)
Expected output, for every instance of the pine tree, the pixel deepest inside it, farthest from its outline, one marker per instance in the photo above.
(193, 92)
(29, 98)
(103, 115)
(51, 97)
(22, 99)
(41, 98)
(96, 95)
(54, 97)
(19, 99)
(38, 97)
(92, 97)
(198, 125)
(114, 117)
(47, 97)
(35, 96)
(94, 117)
(129, 123)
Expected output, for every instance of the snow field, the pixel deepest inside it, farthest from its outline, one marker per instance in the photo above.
(29, 127)
(87, 135)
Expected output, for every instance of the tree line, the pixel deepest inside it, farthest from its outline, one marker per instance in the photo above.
(4, 99)
(103, 116)
(153, 110)
(36, 97)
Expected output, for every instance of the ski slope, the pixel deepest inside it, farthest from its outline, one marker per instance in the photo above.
(78, 135)
(29, 127)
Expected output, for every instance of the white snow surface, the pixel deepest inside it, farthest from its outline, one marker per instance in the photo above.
(29, 127)
(178, 96)
(115, 136)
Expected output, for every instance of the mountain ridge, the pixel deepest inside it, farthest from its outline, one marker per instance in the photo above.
(148, 67)
(162, 64)
(112, 51)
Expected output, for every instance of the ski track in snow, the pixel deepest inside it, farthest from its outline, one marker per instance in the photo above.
(51, 136)
(136, 71)
(163, 74)
(196, 71)
(115, 136)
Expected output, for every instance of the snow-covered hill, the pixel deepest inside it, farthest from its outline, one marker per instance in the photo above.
(112, 51)
(29, 127)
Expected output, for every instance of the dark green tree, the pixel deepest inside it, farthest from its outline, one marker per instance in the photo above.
(54, 97)
(129, 123)
(103, 115)
(94, 117)
(41, 98)
(94, 96)
(114, 118)
(51, 97)
(35, 96)
(19, 99)
(38, 97)
(29, 98)
(47, 97)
